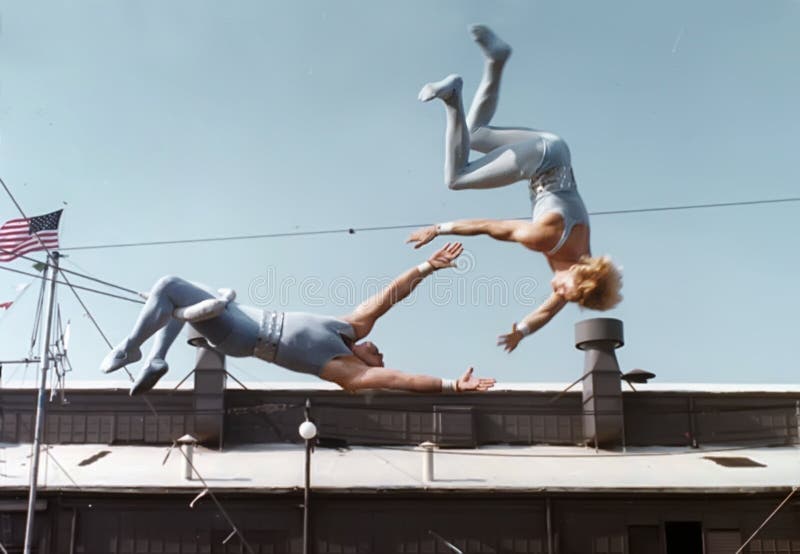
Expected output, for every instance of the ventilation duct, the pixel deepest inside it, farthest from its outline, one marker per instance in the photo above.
(603, 424)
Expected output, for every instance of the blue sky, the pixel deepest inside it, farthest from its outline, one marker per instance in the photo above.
(170, 120)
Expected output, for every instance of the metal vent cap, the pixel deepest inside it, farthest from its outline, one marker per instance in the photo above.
(604, 333)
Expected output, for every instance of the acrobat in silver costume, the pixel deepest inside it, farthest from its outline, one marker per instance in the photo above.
(298, 341)
(512, 154)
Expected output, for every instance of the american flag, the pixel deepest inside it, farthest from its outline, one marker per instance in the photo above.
(23, 235)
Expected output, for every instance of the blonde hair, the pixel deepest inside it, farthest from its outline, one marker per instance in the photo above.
(597, 282)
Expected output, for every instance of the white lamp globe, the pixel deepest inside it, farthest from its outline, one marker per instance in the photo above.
(307, 430)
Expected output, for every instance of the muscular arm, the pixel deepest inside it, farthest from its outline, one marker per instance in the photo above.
(352, 374)
(533, 321)
(363, 318)
(525, 233)
(542, 315)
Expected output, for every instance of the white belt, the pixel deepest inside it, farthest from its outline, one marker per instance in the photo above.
(269, 335)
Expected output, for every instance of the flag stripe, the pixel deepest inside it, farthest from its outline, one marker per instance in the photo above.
(9, 242)
(10, 245)
(31, 242)
(26, 234)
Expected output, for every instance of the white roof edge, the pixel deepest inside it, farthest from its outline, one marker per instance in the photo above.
(318, 385)
(127, 468)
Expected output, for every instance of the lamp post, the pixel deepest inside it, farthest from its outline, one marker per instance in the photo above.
(308, 431)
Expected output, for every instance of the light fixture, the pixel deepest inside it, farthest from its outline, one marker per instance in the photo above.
(307, 430)
(638, 376)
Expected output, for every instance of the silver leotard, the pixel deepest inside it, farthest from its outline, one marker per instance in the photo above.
(553, 188)
(301, 341)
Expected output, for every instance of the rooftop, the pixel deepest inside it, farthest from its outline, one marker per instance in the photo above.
(280, 468)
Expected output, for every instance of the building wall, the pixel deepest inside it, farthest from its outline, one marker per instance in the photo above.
(97, 417)
(131, 524)
(670, 419)
(245, 417)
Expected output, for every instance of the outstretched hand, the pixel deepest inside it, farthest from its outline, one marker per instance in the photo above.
(469, 383)
(423, 236)
(446, 255)
(510, 341)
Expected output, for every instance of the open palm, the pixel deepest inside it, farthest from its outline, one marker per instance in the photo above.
(446, 255)
(469, 383)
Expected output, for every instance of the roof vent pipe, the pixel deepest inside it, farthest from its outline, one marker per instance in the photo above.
(209, 392)
(187, 443)
(603, 418)
(427, 460)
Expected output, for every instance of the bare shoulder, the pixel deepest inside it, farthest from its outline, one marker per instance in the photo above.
(342, 370)
(360, 322)
(350, 318)
(535, 236)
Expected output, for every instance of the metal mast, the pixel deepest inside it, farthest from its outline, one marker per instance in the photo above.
(44, 364)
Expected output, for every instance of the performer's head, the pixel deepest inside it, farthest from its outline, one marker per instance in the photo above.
(368, 353)
(593, 282)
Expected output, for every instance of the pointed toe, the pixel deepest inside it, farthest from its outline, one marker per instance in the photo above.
(149, 376)
(120, 357)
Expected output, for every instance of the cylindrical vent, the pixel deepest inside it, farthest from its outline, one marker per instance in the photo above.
(427, 460)
(187, 443)
(601, 332)
(189, 460)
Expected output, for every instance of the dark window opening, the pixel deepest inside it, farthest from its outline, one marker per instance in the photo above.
(684, 537)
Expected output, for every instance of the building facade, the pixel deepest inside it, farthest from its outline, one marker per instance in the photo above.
(522, 469)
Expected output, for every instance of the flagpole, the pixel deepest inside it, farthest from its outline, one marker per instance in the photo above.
(44, 364)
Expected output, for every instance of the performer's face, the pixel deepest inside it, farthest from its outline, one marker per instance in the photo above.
(368, 353)
(563, 284)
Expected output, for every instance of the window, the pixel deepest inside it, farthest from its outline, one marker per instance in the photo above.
(684, 537)
(775, 546)
(614, 544)
(723, 541)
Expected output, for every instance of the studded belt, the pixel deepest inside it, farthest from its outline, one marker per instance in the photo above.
(558, 178)
(269, 335)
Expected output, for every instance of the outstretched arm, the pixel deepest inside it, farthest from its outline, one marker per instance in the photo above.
(367, 313)
(352, 374)
(526, 233)
(532, 322)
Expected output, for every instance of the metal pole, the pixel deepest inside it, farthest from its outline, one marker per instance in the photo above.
(427, 461)
(307, 483)
(797, 418)
(549, 517)
(622, 415)
(73, 528)
(594, 419)
(37, 436)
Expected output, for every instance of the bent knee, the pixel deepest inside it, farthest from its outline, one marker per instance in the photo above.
(453, 183)
(167, 282)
